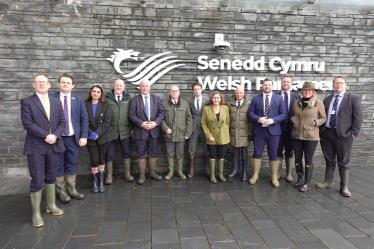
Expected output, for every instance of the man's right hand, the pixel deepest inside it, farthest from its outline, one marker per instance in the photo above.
(169, 131)
(145, 125)
(262, 120)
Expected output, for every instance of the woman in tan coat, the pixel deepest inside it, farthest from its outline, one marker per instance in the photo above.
(215, 123)
(307, 114)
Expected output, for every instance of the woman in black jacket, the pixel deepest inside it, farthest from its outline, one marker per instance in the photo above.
(99, 134)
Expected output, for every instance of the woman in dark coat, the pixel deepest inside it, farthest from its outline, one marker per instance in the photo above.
(99, 134)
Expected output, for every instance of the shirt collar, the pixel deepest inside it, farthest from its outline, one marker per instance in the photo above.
(42, 96)
(173, 100)
(116, 95)
(62, 95)
(198, 97)
(143, 96)
(288, 92)
(341, 94)
(268, 94)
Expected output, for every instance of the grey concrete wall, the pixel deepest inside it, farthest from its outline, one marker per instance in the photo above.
(54, 38)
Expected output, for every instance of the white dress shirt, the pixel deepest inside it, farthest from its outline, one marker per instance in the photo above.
(62, 98)
(241, 102)
(116, 96)
(149, 106)
(46, 101)
(200, 101)
(174, 101)
(264, 98)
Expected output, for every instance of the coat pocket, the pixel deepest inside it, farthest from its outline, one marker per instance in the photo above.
(309, 131)
(182, 131)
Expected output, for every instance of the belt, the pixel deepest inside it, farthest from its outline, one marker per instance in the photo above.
(331, 129)
(266, 128)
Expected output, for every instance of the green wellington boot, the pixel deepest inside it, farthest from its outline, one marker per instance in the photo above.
(141, 164)
(289, 163)
(61, 189)
(70, 187)
(256, 166)
(171, 169)
(36, 197)
(108, 173)
(279, 173)
(152, 168)
(50, 196)
(220, 163)
(126, 170)
(180, 169)
(212, 166)
(273, 172)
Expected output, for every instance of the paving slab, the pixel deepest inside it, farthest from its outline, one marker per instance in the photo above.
(332, 239)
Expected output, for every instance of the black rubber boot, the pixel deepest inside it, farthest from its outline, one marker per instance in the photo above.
(235, 172)
(300, 175)
(101, 178)
(94, 172)
(308, 176)
(244, 165)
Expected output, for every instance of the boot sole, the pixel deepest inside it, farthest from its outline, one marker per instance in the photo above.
(50, 212)
(168, 178)
(38, 225)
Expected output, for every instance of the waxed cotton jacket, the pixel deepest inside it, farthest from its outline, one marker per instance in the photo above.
(178, 118)
(214, 128)
(120, 114)
(240, 124)
(303, 120)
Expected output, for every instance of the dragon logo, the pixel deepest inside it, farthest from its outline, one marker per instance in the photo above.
(150, 69)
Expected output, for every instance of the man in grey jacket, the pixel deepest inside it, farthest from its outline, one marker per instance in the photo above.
(197, 104)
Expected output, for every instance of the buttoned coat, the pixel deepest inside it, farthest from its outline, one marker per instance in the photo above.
(100, 123)
(78, 113)
(137, 116)
(196, 115)
(240, 124)
(120, 121)
(349, 118)
(277, 112)
(219, 130)
(303, 120)
(178, 118)
(38, 127)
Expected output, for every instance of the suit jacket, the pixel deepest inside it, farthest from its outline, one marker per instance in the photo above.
(100, 123)
(38, 127)
(196, 115)
(137, 116)
(78, 115)
(277, 112)
(293, 96)
(214, 128)
(349, 118)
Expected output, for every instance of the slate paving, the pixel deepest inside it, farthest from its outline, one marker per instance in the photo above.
(194, 213)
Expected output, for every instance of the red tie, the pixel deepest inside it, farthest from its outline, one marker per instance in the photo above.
(175, 102)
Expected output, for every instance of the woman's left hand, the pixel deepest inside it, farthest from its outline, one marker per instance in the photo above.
(211, 139)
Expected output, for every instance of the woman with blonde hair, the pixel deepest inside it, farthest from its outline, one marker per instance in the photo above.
(307, 114)
(215, 122)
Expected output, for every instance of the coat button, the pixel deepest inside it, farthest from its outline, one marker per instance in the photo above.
(212, 121)
(101, 121)
(101, 114)
(214, 128)
(220, 127)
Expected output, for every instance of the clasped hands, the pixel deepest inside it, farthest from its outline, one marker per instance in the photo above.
(51, 139)
(169, 131)
(149, 125)
(266, 121)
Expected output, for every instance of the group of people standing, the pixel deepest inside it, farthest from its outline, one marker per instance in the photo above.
(59, 124)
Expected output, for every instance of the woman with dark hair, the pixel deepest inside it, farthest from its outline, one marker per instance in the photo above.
(307, 114)
(215, 122)
(99, 134)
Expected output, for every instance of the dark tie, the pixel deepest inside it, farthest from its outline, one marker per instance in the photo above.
(146, 107)
(332, 122)
(198, 104)
(66, 114)
(267, 106)
(286, 104)
(119, 100)
(238, 103)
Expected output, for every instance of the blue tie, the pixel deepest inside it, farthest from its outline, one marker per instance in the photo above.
(286, 104)
(332, 122)
(146, 107)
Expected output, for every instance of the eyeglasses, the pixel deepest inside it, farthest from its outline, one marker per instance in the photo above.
(339, 83)
(174, 91)
(41, 82)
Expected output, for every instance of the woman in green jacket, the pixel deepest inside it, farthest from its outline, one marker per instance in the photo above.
(215, 122)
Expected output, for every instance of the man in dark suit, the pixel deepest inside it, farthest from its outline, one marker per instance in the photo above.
(267, 111)
(43, 119)
(146, 113)
(344, 119)
(197, 104)
(285, 140)
(74, 137)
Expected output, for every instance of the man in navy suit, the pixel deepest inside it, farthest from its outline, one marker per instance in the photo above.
(344, 120)
(43, 119)
(267, 111)
(285, 140)
(146, 113)
(74, 137)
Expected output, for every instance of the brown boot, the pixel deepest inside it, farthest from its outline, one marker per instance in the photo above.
(141, 164)
(280, 159)
(70, 187)
(192, 167)
(152, 167)
(289, 163)
(273, 172)
(61, 189)
(206, 171)
(126, 170)
(256, 166)
(109, 173)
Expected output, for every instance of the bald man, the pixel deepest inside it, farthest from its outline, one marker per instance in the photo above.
(146, 113)
(240, 131)
(177, 127)
(119, 101)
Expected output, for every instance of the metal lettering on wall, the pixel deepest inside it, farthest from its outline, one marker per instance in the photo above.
(154, 67)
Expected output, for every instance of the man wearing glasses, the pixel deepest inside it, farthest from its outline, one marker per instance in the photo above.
(344, 119)
(43, 119)
(177, 127)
